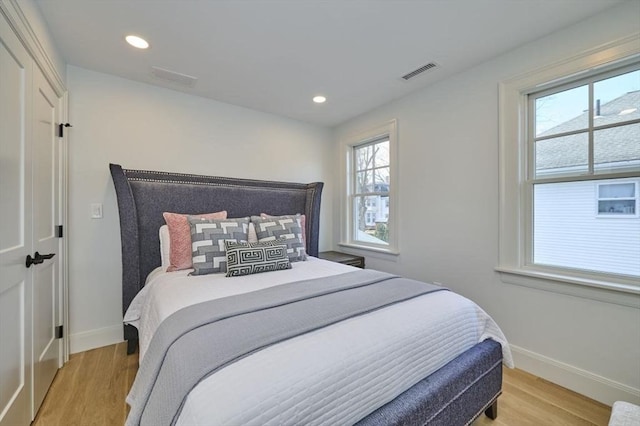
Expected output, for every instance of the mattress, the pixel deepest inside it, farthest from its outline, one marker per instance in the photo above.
(335, 375)
(167, 292)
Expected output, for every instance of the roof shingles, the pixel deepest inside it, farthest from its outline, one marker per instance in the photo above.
(613, 145)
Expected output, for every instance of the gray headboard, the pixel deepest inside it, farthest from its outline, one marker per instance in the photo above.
(144, 195)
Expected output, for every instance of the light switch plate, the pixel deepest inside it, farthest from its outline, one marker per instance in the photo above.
(96, 211)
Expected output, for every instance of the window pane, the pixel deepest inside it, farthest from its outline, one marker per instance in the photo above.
(616, 207)
(617, 190)
(364, 157)
(617, 99)
(364, 181)
(381, 154)
(563, 155)
(569, 232)
(617, 148)
(371, 215)
(382, 179)
(562, 112)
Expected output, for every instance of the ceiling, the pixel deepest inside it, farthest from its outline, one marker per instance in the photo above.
(274, 56)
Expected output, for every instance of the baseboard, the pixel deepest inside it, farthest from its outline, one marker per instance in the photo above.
(578, 380)
(97, 338)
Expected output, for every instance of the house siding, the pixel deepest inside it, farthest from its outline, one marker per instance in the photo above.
(568, 231)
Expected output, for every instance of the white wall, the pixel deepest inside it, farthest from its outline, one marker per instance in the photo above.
(448, 151)
(145, 127)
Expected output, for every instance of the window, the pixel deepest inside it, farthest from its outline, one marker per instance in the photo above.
(371, 179)
(585, 128)
(617, 199)
(570, 159)
(371, 219)
(370, 195)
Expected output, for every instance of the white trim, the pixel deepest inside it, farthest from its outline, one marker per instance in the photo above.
(389, 129)
(23, 29)
(372, 249)
(620, 293)
(584, 382)
(97, 338)
(515, 201)
(64, 205)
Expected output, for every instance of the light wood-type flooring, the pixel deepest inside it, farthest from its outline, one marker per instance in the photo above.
(91, 389)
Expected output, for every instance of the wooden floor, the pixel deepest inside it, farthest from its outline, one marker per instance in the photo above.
(528, 400)
(91, 389)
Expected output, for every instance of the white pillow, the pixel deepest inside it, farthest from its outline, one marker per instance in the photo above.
(165, 248)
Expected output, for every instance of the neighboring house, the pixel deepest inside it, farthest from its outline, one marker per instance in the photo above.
(377, 208)
(616, 147)
(595, 224)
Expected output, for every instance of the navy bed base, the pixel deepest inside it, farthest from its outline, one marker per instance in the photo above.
(452, 396)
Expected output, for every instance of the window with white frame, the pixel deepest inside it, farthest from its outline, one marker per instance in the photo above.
(570, 146)
(585, 129)
(617, 199)
(370, 190)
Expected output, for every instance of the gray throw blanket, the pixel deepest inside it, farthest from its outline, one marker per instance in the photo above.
(197, 341)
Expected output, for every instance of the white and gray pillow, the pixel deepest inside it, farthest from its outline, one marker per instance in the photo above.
(208, 238)
(287, 228)
(253, 258)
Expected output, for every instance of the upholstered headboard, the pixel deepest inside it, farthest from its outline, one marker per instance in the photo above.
(144, 195)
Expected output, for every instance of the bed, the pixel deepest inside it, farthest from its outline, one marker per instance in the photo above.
(430, 357)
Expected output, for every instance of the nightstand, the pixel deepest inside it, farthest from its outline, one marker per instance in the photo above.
(344, 258)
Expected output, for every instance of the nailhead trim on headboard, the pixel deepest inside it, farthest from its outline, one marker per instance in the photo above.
(141, 202)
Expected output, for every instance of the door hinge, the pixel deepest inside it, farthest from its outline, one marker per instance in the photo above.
(59, 233)
(59, 332)
(61, 127)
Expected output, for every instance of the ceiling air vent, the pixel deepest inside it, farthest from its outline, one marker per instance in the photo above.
(419, 71)
(174, 77)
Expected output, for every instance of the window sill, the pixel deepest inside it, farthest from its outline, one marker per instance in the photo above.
(619, 293)
(391, 252)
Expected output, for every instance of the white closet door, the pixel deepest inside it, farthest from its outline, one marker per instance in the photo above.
(15, 230)
(30, 182)
(46, 292)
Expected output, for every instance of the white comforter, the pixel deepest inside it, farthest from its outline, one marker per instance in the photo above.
(335, 375)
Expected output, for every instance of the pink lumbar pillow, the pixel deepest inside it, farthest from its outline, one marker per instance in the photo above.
(180, 237)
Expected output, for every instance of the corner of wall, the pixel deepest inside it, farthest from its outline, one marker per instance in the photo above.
(97, 338)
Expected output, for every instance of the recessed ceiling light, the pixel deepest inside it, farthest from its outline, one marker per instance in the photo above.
(319, 99)
(136, 41)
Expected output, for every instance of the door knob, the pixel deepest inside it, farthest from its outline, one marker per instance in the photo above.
(37, 258)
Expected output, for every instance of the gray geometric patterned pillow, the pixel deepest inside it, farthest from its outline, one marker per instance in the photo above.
(287, 228)
(253, 258)
(207, 242)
